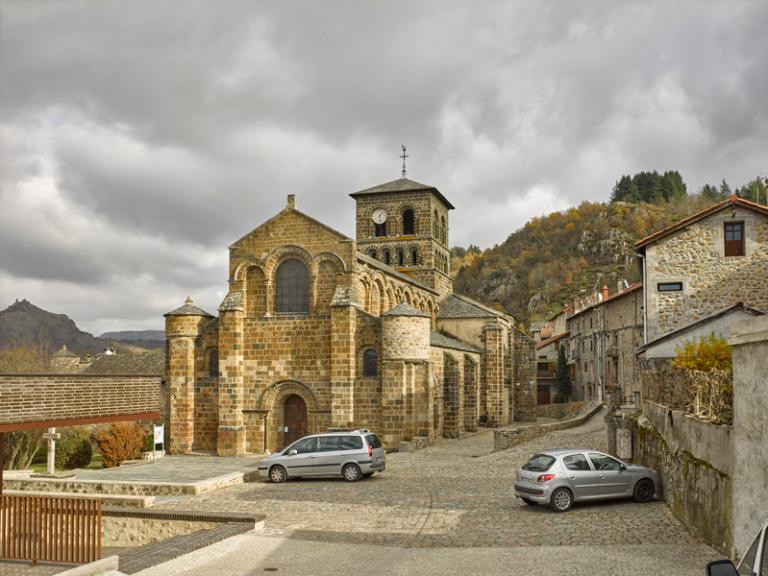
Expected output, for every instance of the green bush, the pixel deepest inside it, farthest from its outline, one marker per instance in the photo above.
(74, 449)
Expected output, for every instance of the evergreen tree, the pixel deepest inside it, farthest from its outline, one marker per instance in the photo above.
(561, 375)
(725, 190)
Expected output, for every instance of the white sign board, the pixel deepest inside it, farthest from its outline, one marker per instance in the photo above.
(159, 434)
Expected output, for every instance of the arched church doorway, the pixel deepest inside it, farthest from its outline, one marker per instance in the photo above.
(294, 418)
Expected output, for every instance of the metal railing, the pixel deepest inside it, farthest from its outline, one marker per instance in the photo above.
(50, 529)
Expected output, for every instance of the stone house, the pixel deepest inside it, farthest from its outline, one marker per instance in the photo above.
(605, 331)
(552, 336)
(322, 331)
(705, 264)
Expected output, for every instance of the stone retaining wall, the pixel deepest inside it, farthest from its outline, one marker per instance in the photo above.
(694, 462)
(510, 437)
(557, 410)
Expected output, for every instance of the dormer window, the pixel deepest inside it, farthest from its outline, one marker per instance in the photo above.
(734, 238)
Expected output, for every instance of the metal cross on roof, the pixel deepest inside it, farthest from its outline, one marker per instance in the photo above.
(404, 156)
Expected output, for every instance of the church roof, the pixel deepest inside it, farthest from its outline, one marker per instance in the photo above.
(389, 270)
(147, 364)
(444, 341)
(189, 309)
(456, 306)
(405, 310)
(402, 185)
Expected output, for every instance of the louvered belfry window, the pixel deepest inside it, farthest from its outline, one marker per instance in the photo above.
(734, 238)
(292, 288)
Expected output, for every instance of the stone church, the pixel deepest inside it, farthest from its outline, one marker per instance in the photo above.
(320, 331)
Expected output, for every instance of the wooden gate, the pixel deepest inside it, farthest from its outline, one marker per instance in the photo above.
(51, 529)
(542, 395)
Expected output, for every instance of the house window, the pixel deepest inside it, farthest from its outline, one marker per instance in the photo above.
(370, 366)
(408, 222)
(669, 286)
(213, 363)
(380, 229)
(292, 288)
(400, 258)
(734, 238)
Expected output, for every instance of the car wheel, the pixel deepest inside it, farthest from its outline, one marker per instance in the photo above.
(644, 491)
(351, 473)
(561, 500)
(529, 501)
(278, 474)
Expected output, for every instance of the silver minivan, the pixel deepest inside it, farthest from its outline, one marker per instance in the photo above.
(351, 455)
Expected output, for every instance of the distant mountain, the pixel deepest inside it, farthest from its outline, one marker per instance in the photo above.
(23, 322)
(134, 335)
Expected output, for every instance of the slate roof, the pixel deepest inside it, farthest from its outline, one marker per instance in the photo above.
(189, 309)
(455, 306)
(147, 364)
(732, 200)
(706, 320)
(389, 270)
(402, 185)
(441, 340)
(405, 310)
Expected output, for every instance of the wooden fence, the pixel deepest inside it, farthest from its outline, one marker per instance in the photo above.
(50, 529)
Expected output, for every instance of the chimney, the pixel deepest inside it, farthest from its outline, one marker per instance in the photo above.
(291, 201)
(619, 286)
(605, 291)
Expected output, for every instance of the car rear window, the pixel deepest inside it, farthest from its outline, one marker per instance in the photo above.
(351, 443)
(539, 463)
(373, 440)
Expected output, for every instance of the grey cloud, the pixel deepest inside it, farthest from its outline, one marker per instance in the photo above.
(163, 131)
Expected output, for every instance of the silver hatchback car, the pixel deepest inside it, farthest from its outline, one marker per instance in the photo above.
(351, 455)
(561, 477)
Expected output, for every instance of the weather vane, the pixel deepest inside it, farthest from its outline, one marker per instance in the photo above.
(403, 156)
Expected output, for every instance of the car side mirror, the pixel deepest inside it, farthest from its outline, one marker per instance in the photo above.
(622, 467)
(293, 452)
(721, 568)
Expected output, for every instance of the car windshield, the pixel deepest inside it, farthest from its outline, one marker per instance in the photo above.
(539, 463)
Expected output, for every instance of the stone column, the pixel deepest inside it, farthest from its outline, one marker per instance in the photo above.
(51, 436)
(749, 339)
(182, 327)
(494, 373)
(343, 358)
(230, 439)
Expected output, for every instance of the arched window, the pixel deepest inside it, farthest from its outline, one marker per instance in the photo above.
(372, 253)
(400, 258)
(435, 225)
(370, 364)
(414, 256)
(380, 229)
(386, 257)
(443, 230)
(409, 226)
(213, 363)
(292, 288)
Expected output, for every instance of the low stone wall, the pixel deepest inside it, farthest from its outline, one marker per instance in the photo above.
(133, 528)
(694, 462)
(557, 411)
(509, 437)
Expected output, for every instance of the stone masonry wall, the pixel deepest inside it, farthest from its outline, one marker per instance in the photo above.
(711, 281)
(523, 377)
(41, 397)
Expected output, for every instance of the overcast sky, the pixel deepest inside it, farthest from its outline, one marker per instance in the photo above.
(139, 139)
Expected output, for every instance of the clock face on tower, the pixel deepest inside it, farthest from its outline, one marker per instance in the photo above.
(379, 216)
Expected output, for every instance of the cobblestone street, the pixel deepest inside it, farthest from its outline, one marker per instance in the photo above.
(458, 494)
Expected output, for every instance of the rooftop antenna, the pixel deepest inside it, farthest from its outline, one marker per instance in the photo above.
(404, 156)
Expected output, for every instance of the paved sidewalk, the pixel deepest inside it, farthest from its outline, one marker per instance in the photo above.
(252, 554)
(175, 469)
